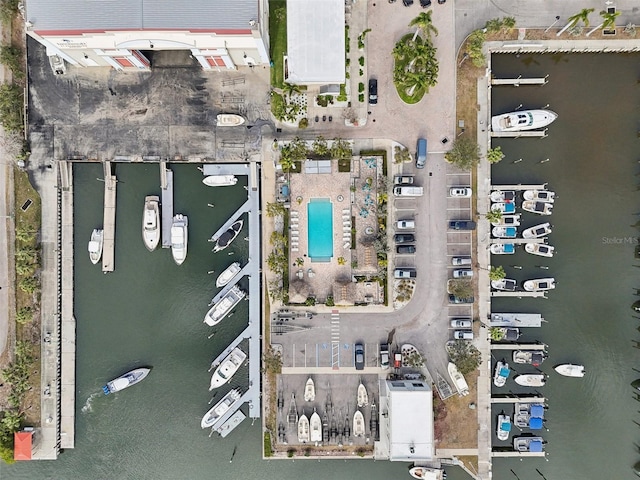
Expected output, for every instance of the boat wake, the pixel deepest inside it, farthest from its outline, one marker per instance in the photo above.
(86, 408)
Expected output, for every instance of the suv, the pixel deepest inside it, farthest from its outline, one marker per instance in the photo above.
(404, 273)
(463, 335)
(463, 273)
(407, 3)
(461, 323)
(403, 180)
(359, 356)
(384, 356)
(373, 91)
(462, 225)
(425, 3)
(421, 150)
(405, 224)
(406, 249)
(460, 261)
(460, 192)
(404, 237)
(454, 299)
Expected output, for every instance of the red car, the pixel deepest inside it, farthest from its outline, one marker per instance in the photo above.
(397, 360)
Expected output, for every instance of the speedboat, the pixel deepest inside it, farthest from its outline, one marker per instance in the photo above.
(570, 370)
(522, 120)
(223, 307)
(427, 473)
(636, 384)
(227, 368)
(507, 220)
(528, 444)
(458, 379)
(498, 196)
(502, 248)
(504, 232)
(226, 276)
(303, 429)
(95, 245)
(501, 373)
(225, 239)
(363, 397)
(219, 409)
(531, 379)
(229, 120)
(541, 208)
(504, 427)
(504, 207)
(539, 195)
(315, 426)
(220, 180)
(151, 222)
(126, 380)
(505, 285)
(179, 238)
(529, 415)
(529, 357)
(537, 231)
(539, 284)
(309, 391)
(539, 249)
(358, 424)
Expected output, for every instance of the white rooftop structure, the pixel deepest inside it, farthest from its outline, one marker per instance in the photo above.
(315, 42)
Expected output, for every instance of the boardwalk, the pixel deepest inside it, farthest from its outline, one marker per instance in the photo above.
(109, 223)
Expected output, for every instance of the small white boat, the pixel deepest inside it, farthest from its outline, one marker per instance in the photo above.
(126, 380)
(498, 196)
(458, 379)
(228, 236)
(504, 427)
(427, 473)
(151, 222)
(219, 409)
(227, 368)
(315, 426)
(226, 276)
(531, 379)
(507, 221)
(220, 180)
(309, 391)
(537, 231)
(95, 245)
(502, 248)
(570, 370)
(528, 444)
(179, 238)
(539, 249)
(522, 120)
(504, 232)
(529, 357)
(539, 195)
(501, 373)
(541, 208)
(303, 429)
(223, 307)
(363, 396)
(539, 284)
(229, 120)
(504, 284)
(358, 424)
(504, 207)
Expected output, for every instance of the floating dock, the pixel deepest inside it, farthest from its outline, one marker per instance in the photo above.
(521, 294)
(518, 346)
(167, 206)
(516, 82)
(526, 133)
(227, 427)
(515, 320)
(109, 221)
(514, 453)
(518, 399)
(519, 186)
(517, 241)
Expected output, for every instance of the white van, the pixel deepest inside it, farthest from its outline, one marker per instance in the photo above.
(405, 224)
(408, 191)
(421, 153)
(463, 335)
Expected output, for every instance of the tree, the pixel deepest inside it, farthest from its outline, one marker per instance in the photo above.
(464, 154)
(475, 43)
(341, 149)
(402, 50)
(277, 261)
(278, 240)
(497, 273)
(290, 89)
(401, 155)
(24, 267)
(494, 216)
(298, 149)
(581, 16)
(494, 155)
(276, 292)
(497, 333)
(320, 146)
(465, 356)
(424, 23)
(461, 287)
(341, 261)
(275, 209)
(608, 21)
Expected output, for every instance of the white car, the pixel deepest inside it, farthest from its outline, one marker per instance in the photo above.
(461, 323)
(463, 335)
(460, 261)
(405, 224)
(404, 273)
(460, 192)
(463, 273)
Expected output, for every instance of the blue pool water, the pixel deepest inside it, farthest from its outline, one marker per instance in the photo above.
(320, 229)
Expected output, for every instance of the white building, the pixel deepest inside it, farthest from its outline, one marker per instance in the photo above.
(219, 34)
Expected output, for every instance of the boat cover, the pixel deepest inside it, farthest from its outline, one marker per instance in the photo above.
(535, 423)
(504, 372)
(509, 207)
(511, 334)
(511, 231)
(509, 248)
(505, 426)
(537, 410)
(535, 446)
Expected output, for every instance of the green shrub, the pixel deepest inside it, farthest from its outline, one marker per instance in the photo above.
(361, 61)
(361, 98)
(11, 103)
(303, 123)
(13, 58)
(361, 87)
(267, 445)
(29, 284)
(330, 302)
(8, 10)
(291, 452)
(343, 93)
(24, 315)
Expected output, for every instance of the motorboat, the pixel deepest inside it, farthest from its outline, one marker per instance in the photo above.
(531, 379)
(539, 284)
(309, 391)
(498, 196)
(529, 415)
(541, 208)
(219, 409)
(504, 207)
(227, 368)
(504, 232)
(228, 236)
(358, 424)
(179, 238)
(504, 427)
(636, 384)
(529, 357)
(226, 276)
(539, 249)
(220, 180)
(507, 221)
(303, 429)
(510, 334)
(522, 120)
(501, 373)
(458, 379)
(223, 307)
(539, 195)
(126, 380)
(537, 231)
(504, 285)
(570, 370)
(528, 444)
(95, 245)
(229, 120)
(427, 473)
(502, 248)
(363, 397)
(151, 222)
(315, 427)
(636, 469)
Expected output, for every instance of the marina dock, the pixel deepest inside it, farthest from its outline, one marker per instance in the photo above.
(167, 206)
(518, 399)
(518, 346)
(245, 271)
(519, 186)
(526, 133)
(515, 320)
(246, 207)
(513, 453)
(109, 220)
(516, 82)
(517, 241)
(521, 294)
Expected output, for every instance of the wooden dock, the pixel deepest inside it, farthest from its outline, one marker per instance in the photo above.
(517, 399)
(517, 241)
(516, 82)
(515, 320)
(109, 221)
(513, 453)
(526, 133)
(521, 294)
(167, 208)
(519, 186)
(518, 346)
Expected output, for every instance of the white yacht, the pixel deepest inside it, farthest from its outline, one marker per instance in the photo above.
(522, 120)
(504, 427)
(505, 285)
(504, 232)
(531, 379)
(507, 221)
(539, 195)
(537, 231)
(219, 409)
(227, 368)
(303, 429)
(151, 222)
(502, 248)
(539, 284)
(315, 427)
(570, 370)
(179, 238)
(223, 307)
(220, 180)
(309, 391)
(228, 236)
(95, 245)
(541, 208)
(229, 120)
(539, 249)
(427, 473)
(126, 380)
(230, 272)
(502, 196)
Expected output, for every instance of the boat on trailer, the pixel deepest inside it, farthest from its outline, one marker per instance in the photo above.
(309, 391)
(303, 429)
(363, 396)
(458, 379)
(315, 427)
(358, 424)
(229, 120)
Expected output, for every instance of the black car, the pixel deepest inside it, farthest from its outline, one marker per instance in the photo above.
(462, 225)
(407, 3)
(373, 91)
(406, 249)
(404, 238)
(425, 3)
(441, 1)
(359, 356)
(454, 299)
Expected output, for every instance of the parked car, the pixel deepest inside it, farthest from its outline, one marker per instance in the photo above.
(462, 225)
(421, 150)
(404, 273)
(403, 180)
(407, 3)
(405, 224)
(460, 192)
(397, 360)
(459, 261)
(463, 335)
(463, 273)
(461, 323)
(384, 356)
(373, 91)
(425, 3)
(404, 238)
(406, 249)
(359, 356)
(454, 299)
(441, 2)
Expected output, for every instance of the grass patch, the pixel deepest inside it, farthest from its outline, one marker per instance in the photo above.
(278, 40)
(267, 445)
(418, 93)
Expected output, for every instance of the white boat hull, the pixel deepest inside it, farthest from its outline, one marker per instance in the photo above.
(502, 249)
(309, 391)
(303, 429)
(220, 180)
(539, 249)
(151, 222)
(507, 221)
(426, 473)
(522, 120)
(228, 236)
(363, 396)
(530, 380)
(358, 424)
(179, 238)
(499, 377)
(539, 284)
(537, 231)
(458, 379)
(219, 409)
(539, 195)
(503, 431)
(229, 120)
(570, 370)
(227, 369)
(224, 306)
(95, 245)
(126, 380)
(504, 232)
(228, 275)
(539, 208)
(315, 427)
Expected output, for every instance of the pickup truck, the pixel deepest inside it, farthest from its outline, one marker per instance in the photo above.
(408, 191)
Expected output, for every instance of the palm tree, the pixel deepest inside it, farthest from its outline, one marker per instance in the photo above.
(290, 89)
(423, 22)
(581, 16)
(497, 273)
(497, 333)
(401, 50)
(494, 216)
(608, 21)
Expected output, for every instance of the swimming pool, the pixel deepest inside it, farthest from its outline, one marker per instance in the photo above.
(320, 229)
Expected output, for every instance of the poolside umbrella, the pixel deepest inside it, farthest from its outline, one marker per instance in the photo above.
(299, 291)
